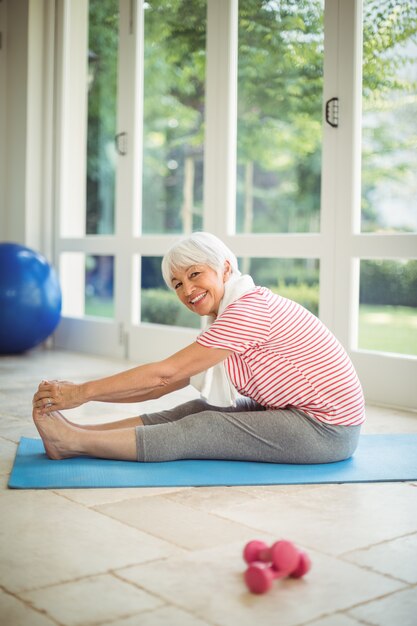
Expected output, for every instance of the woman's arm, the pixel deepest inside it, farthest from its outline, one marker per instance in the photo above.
(137, 384)
(157, 393)
(155, 377)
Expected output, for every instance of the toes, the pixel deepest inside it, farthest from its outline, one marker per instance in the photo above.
(37, 415)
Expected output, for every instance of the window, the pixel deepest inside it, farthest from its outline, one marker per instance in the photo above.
(280, 87)
(176, 116)
(388, 306)
(103, 35)
(173, 139)
(87, 282)
(389, 123)
(296, 279)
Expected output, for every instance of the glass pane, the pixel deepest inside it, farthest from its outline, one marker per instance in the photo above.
(102, 94)
(389, 123)
(280, 83)
(175, 42)
(87, 285)
(99, 279)
(296, 279)
(160, 305)
(388, 306)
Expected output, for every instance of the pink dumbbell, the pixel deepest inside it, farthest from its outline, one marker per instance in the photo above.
(282, 554)
(282, 559)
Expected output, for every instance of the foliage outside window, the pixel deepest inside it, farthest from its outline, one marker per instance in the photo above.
(103, 39)
(173, 138)
(388, 288)
(99, 281)
(280, 85)
(388, 306)
(389, 152)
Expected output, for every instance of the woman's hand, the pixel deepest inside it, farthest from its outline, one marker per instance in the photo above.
(54, 395)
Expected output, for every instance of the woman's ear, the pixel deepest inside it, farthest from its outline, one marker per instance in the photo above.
(227, 271)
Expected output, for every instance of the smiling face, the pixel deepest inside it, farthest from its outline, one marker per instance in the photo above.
(201, 288)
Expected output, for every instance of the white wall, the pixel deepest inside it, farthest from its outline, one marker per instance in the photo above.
(3, 14)
(14, 101)
(25, 102)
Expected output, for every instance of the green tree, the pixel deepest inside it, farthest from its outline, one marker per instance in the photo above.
(279, 117)
(389, 102)
(173, 115)
(103, 39)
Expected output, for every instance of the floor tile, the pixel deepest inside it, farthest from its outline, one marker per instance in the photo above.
(13, 612)
(337, 619)
(13, 429)
(16, 402)
(335, 518)
(4, 479)
(218, 593)
(397, 558)
(124, 543)
(47, 539)
(220, 500)
(94, 599)
(35, 365)
(213, 500)
(95, 497)
(165, 616)
(176, 523)
(7, 455)
(262, 491)
(399, 608)
(387, 420)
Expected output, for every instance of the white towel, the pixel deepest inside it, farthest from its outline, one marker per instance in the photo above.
(214, 384)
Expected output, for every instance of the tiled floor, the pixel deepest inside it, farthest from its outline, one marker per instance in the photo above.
(152, 557)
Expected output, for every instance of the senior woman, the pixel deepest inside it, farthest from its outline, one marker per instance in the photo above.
(276, 385)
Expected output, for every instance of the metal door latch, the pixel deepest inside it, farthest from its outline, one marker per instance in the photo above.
(332, 112)
(121, 143)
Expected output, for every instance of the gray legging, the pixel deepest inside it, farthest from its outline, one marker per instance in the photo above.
(247, 432)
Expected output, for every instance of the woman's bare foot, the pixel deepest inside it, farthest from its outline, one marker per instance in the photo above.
(60, 437)
(63, 440)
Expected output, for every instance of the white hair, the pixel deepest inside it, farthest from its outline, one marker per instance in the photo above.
(197, 249)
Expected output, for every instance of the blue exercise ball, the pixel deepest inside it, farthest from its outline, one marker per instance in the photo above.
(30, 298)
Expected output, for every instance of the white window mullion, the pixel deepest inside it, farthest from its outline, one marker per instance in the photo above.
(220, 111)
(72, 42)
(329, 186)
(130, 71)
(347, 170)
(400, 246)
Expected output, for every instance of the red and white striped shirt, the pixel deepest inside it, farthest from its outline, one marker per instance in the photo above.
(284, 356)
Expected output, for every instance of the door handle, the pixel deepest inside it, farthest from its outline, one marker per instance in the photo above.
(332, 112)
(120, 141)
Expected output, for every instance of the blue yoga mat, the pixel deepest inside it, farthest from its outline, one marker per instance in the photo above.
(378, 458)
